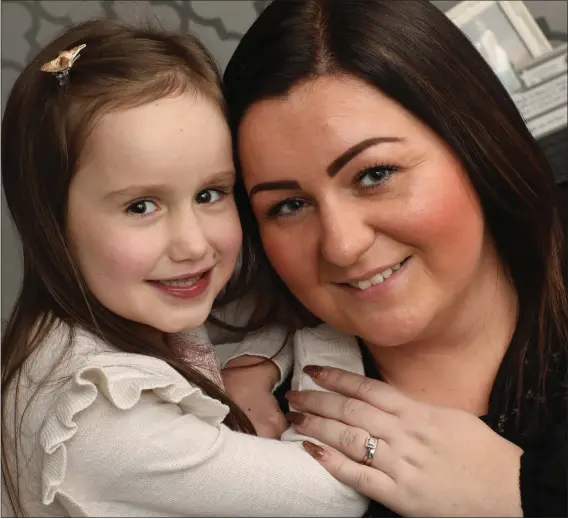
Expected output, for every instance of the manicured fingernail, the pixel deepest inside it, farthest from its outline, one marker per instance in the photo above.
(315, 451)
(295, 418)
(292, 395)
(314, 371)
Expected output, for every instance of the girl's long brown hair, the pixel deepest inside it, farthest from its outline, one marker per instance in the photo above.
(43, 133)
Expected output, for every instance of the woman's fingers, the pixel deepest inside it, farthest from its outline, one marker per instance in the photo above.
(369, 481)
(347, 410)
(344, 438)
(377, 393)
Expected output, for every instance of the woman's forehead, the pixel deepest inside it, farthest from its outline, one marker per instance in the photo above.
(323, 118)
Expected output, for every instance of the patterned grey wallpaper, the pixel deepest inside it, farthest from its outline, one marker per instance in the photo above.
(29, 24)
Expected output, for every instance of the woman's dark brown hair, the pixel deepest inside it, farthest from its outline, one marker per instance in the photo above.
(44, 130)
(411, 52)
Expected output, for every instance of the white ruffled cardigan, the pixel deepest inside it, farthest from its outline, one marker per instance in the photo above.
(118, 434)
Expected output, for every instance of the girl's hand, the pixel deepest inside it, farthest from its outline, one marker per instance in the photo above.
(429, 460)
(249, 383)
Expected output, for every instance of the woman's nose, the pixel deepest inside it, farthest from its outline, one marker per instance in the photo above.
(345, 234)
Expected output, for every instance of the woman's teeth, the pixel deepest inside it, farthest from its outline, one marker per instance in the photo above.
(187, 282)
(377, 278)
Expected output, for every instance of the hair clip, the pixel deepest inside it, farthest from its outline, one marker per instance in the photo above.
(61, 65)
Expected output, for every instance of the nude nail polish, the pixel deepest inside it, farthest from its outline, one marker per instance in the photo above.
(314, 371)
(313, 450)
(293, 396)
(295, 418)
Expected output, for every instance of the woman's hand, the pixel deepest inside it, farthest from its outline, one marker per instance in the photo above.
(249, 380)
(429, 460)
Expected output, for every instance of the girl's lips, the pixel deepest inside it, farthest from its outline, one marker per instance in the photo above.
(184, 289)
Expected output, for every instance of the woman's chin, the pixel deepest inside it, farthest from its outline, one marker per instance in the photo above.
(392, 334)
(389, 341)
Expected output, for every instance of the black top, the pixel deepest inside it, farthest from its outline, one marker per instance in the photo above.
(544, 463)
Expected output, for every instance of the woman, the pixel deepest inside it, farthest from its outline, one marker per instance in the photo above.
(390, 189)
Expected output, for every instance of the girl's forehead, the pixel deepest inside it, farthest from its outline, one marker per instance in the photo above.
(180, 137)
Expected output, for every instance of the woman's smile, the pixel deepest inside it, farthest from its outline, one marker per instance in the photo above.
(378, 284)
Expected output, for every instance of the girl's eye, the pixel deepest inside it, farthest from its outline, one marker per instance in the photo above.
(287, 208)
(209, 196)
(375, 176)
(143, 207)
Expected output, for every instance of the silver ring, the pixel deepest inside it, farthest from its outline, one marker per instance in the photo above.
(371, 446)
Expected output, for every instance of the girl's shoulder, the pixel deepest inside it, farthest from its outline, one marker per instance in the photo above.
(72, 368)
(65, 352)
(74, 375)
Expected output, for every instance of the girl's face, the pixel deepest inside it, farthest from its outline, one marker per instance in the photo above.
(151, 217)
(366, 215)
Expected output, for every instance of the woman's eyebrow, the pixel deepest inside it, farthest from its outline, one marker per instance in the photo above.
(343, 159)
(332, 170)
(272, 186)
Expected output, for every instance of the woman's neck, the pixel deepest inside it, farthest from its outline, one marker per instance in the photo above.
(456, 365)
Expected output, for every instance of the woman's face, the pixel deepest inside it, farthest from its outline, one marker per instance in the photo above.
(366, 215)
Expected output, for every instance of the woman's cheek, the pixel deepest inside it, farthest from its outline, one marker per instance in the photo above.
(444, 209)
(289, 254)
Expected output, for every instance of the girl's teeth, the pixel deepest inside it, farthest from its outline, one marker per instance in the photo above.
(181, 282)
(377, 278)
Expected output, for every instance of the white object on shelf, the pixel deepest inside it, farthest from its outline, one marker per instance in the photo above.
(549, 122)
(542, 98)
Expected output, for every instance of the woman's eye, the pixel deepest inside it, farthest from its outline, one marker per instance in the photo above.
(287, 207)
(209, 196)
(142, 207)
(375, 176)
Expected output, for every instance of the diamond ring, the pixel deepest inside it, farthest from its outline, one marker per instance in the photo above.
(371, 446)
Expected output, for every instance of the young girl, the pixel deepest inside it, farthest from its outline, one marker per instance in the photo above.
(117, 169)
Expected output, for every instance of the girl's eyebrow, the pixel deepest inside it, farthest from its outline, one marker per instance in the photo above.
(222, 176)
(133, 190)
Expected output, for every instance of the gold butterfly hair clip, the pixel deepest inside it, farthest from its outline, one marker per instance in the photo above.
(61, 65)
